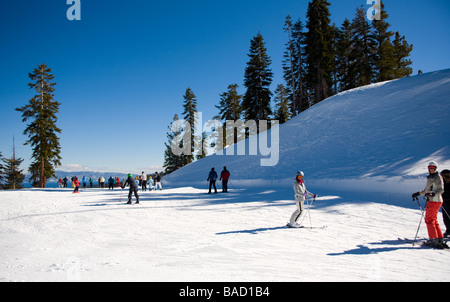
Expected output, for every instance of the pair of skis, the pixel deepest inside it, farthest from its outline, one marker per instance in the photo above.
(308, 213)
(421, 242)
(305, 227)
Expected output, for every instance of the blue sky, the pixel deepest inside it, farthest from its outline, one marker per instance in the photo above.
(122, 70)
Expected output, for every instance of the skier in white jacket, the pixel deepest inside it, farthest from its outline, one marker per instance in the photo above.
(300, 195)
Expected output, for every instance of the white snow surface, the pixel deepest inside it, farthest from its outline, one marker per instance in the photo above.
(364, 152)
(183, 234)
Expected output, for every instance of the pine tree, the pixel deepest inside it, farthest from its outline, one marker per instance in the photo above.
(190, 115)
(319, 50)
(282, 114)
(42, 131)
(230, 104)
(401, 52)
(363, 48)
(230, 109)
(384, 55)
(204, 151)
(258, 77)
(344, 57)
(173, 162)
(294, 66)
(288, 65)
(334, 51)
(13, 175)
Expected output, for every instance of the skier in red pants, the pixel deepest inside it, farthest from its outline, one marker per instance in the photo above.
(433, 193)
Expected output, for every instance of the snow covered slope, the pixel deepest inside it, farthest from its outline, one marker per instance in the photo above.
(377, 137)
(186, 235)
(373, 138)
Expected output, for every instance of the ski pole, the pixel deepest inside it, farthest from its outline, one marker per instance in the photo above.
(421, 218)
(121, 190)
(230, 184)
(308, 211)
(443, 209)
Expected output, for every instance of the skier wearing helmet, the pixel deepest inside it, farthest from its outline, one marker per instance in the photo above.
(300, 195)
(133, 188)
(433, 193)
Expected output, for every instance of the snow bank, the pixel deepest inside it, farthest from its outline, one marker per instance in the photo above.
(378, 137)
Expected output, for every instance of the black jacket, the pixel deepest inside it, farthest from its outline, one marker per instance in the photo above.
(446, 194)
(130, 181)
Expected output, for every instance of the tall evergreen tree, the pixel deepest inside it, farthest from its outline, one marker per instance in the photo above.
(345, 57)
(230, 108)
(401, 53)
(190, 115)
(173, 162)
(288, 65)
(319, 50)
(294, 66)
(204, 142)
(282, 113)
(13, 175)
(384, 55)
(363, 48)
(258, 77)
(335, 63)
(230, 104)
(42, 131)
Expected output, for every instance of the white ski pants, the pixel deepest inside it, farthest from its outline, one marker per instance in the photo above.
(158, 184)
(295, 217)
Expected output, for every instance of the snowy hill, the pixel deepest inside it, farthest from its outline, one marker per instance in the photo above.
(378, 137)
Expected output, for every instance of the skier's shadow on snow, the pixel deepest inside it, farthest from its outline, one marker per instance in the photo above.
(367, 250)
(253, 231)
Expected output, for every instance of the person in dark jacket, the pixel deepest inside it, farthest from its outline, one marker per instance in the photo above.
(212, 177)
(111, 183)
(224, 177)
(446, 197)
(157, 181)
(133, 188)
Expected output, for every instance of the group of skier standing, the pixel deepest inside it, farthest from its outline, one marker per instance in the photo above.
(133, 183)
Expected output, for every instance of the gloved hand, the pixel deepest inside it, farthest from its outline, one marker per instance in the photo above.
(430, 195)
(415, 195)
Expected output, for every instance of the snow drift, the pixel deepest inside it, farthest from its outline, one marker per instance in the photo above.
(378, 137)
